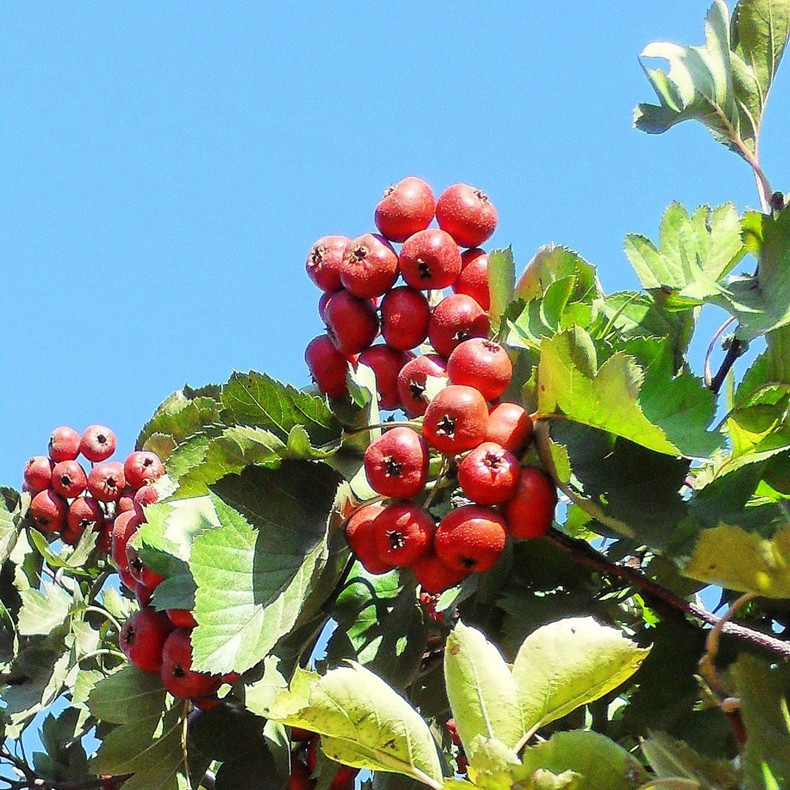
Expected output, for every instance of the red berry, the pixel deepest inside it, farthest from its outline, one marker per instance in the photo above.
(124, 526)
(97, 443)
(430, 259)
(142, 593)
(530, 512)
(142, 467)
(466, 214)
(455, 419)
(403, 533)
(327, 366)
(141, 573)
(38, 473)
(436, 577)
(452, 728)
(482, 364)
(386, 363)
(145, 495)
(143, 638)
(510, 425)
(64, 444)
(352, 323)
(206, 703)
(405, 314)
(407, 207)
(369, 266)
(413, 382)
(473, 279)
(69, 478)
(181, 617)
(455, 319)
(177, 674)
(359, 535)
(106, 481)
(489, 474)
(299, 778)
(323, 262)
(48, 510)
(323, 301)
(104, 543)
(301, 735)
(126, 500)
(470, 538)
(85, 513)
(396, 464)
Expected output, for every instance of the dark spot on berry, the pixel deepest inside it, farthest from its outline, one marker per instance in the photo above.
(423, 269)
(468, 562)
(317, 256)
(446, 426)
(391, 467)
(416, 389)
(358, 254)
(178, 671)
(101, 439)
(65, 481)
(396, 539)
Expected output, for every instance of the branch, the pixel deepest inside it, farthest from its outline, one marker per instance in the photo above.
(581, 552)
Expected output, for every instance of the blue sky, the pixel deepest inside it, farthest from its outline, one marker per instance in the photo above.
(166, 168)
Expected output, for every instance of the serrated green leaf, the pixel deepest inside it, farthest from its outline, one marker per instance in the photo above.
(44, 610)
(10, 503)
(501, 281)
(363, 722)
(179, 417)
(570, 663)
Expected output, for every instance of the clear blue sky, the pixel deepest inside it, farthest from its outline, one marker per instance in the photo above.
(166, 167)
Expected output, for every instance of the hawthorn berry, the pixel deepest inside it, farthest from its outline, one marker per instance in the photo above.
(143, 637)
(403, 533)
(467, 214)
(97, 443)
(456, 318)
(84, 513)
(327, 366)
(436, 577)
(124, 526)
(386, 363)
(182, 618)
(48, 510)
(481, 363)
(470, 538)
(531, 510)
(369, 266)
(510, 425)
(142, 593)
(406, 208)
(142, 467)
(38, 473)
(430, 259)
(359, 536)
(64, 444)
(396, 464)
(106, 481)
(352, 323)
(140, 572)
(323, 262)
(69, 479)
(178, 677)
(473, 279)
(300, 778)
(405, 314)
(489, 474)
(413, 382)
(145, 495)
(456, 419)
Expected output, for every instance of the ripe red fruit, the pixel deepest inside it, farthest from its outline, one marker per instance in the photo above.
(466, 214)
(359, 535)
(84, 513)
(69, 478)
(124, 526)
(64, 444)
(344, 778)
(140, 572)
(143, 638)
(352, 323)
(145, 495)
(436, 577)
(452, 728)
(126, 501)
(386, 363)
(470, 538)
(142, 467)
(48, 510)
(97, 443)
(143, 594)
(405, 314)
(489, 474)
(327, 366)
(455, 319)
(299, 778)
(430, 259)
(412, 382)
(482, 364)
(396, 464)
(181, 617)
(473, 279)
(455, 419)
(369, 266)
(38, 473)
(530, 512)
(106, 481)
(407, 207)
(403, 533)
(177, 674)
(323, 262)
(510, 425)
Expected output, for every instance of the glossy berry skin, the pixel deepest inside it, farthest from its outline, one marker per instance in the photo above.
(177, 674)
(182, 618)
(466, 214)
(406, 208)
(352, 323)
(145, 495)
(85, 513)
(327, 366)
(405, 314)
(482, 364)
(455, 319)
(48, 510)
(403, 533)
(140, 572)
(430, 259)
(436, 577)
(473, 279)
(369, 267)
(299, 778)
(386, 363)
(106, 481)
(323, 262)
(143, 637)
(359, 535)
(124, 526)
(38, 473)
(413, 382)
(142, 467)
(142, 593)
(396, 464)
(69, 479)
(64, 444)
(531, 511)
(455, 420)
(470, 538)
(510, 425)
(97, 443)
(489, 474)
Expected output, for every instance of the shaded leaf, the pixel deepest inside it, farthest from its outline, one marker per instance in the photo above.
(44, 610)
(501, 281)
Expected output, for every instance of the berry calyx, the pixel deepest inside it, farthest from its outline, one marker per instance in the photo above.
(396, 464)
(470, 538)
(406, 208)
(403, 533)
(455, 420)
(97, 443)
(467, 214)
(531, 510)
(483, 364)
(489, 474)
(430, 259)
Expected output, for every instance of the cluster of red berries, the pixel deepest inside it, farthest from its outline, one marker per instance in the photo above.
(68, 500)
(304, 758)
(354, 274)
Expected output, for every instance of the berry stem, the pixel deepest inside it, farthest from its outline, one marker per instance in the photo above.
(437, 483)
(392, 424)
(105, 614)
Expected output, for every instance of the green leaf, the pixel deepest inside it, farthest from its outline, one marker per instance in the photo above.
(255, 572)
(571, 663)
(501, 281)
(483, 694)
(10, 504)
(363, 722)
(179, 417)
(44, 610)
